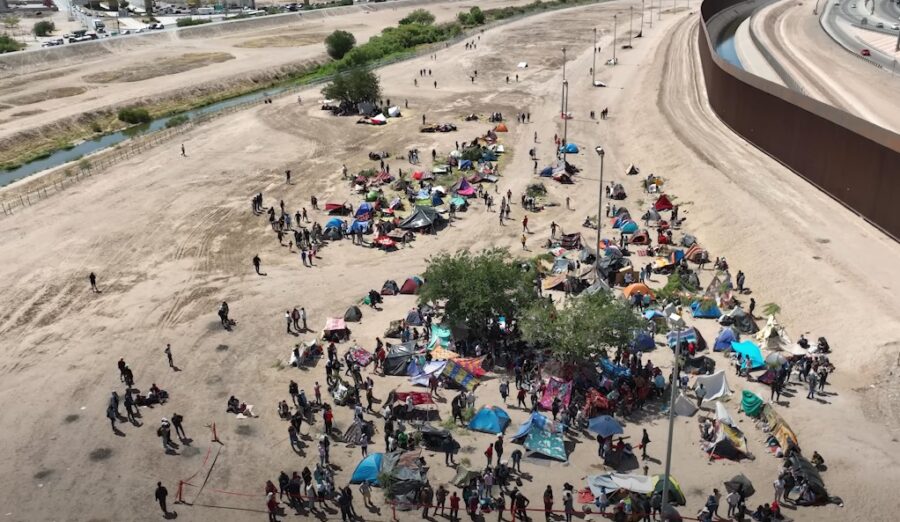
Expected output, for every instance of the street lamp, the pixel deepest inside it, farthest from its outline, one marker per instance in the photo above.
(678, 323)
(651, 14)
(565, 117)
(630, 25)
(564, 62)
(615, 26)
(594, 68)
(601, 153)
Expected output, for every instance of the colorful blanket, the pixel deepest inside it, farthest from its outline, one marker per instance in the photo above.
(360, 356)
(459, 375)
(556, 387)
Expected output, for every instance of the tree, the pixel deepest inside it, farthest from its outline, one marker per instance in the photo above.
(11, 22)
(339, 43)
(476, 288)
(9, 44)
(43, 28)
(476, 15)
(582, 327)
(354, 87)
(771, 309)
(148, 6)
(419, 16)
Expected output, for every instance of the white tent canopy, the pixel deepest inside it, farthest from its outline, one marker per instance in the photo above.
(716, 386)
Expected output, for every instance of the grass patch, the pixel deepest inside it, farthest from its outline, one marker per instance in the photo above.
(158, 67)
(281, 40)
(177, 120)
(49, 94)
(134, 115)
(188, 21)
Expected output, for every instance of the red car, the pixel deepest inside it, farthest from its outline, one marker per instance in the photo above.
(865, 52)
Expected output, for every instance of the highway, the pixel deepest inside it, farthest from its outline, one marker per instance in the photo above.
(840, 19)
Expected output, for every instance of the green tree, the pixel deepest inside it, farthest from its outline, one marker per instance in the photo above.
(339, 43)
(476, 15)
(355, 86)
(419, 16)
(43, 28)
(476, 288)
(771, 309)
(577, 331)
(9, 44)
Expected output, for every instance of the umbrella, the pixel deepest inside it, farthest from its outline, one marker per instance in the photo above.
(741, 484)
(605, 426)
(775, 359)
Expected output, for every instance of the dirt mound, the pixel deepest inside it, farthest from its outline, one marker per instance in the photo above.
(159, 67)
(49, 94)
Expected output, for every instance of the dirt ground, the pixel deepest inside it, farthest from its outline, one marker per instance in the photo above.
(170, 237)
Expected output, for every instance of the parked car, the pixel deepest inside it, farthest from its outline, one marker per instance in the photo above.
(879, 25)
(865, 52)
(895, 27)
(157, 26)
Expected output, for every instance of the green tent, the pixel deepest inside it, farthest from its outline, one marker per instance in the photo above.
(463, 476)
(547, 444)
(751, 403)
(460, 202)
(676, 496)
(372, 196)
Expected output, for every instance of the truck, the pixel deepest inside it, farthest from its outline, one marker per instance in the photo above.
(205, 10)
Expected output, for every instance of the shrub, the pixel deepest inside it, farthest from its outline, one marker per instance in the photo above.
(419, 16)
(188, 21)
(96, 127)
(134, 115)
(339, 43)
(43, 28)
(177, 120)
(9, 44)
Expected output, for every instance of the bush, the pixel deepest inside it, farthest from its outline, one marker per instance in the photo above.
(43, 28)
(339, 43)
(177, 120)
(354, 87)
(188, 21)
(96, 127)
(9, 44)
(134, 115)
(419, 16)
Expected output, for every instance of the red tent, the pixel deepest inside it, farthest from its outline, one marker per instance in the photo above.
(471, 365)
(663, 203)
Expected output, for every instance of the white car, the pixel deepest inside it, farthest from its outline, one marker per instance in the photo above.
(895, 27)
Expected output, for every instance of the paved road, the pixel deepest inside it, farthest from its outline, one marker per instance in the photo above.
(838, 18)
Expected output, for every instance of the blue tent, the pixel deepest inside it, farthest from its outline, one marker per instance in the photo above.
(535, 421)
(605, 426)
(612, 370)
(621, 220)
(335, 223)
(489, 155)
(489, 420)
(365, 208)
(368, 469)
(724, 340)
(547, 444)
(679, 255)
(436, 199)
(643, 341)
(570, 148)
(688, 335)
(360, 226)
(547, 172)
(653, 314)
(631, 227)
(749, 349)
(465, 164)
(711, 312)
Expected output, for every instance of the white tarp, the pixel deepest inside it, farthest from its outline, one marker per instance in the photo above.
(716, 386)
(522, 65)
(773, 336)
(393, 112)
(722, 414)
(684, 407)
(379, 117)
(614, 481)
(431, 368)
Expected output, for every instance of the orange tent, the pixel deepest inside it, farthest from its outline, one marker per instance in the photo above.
(638, 287)
(501, 128)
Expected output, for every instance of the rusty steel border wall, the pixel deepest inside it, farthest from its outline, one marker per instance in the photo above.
(852, 160)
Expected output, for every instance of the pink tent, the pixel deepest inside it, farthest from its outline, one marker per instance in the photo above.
(465, 188)
(335, 323)
(556, 387)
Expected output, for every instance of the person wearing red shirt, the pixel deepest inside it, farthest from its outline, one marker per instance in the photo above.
(454, 507)
(272, 507)
(328, 416)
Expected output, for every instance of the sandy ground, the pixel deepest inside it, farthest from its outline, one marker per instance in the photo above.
(171, 237)
(827, 72)
(362, 22)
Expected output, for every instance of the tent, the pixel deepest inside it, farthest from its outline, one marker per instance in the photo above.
(643, 341)
(463, 188)
(773, 335)
(490, 420)
(605, 426)
(501, 127)
(705, 310)
(741, 484)
(407, 477)
(390, 288)
(411, 285)
(638, 287)
(569, 148)
(663, 203)
(696, 254)
(684, 406)
(632, 170)
(360, 356)
(464, 476)
(610, 482)
(729, 441)
(817, 492)
(546, 443)
(456, 373)
(353, 314)
(335, 223)
(617, 192)
(640, 238)
(726, 336)
(556, 388)
(536, 421)
(546, 172)
(440, 336)
(749, 349)
(751, 404)
(629, 227)
(472, 365)
(779, 429)
(421, 217)
(358, 431)
(676, 496)
(716, 385)
(420, 375)
(686, 336)
(741, 319)
(414, 318)
(700, 365)
(435, 438)
(398, 357)
(335, 327)
(442, 354)
(651, 215)
(368, 469)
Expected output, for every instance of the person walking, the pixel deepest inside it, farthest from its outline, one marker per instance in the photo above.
(712, 503)
(548, 503)
(525, 224)
(160, 495)
(425, 498)
(524, 239)
(449, 448)
(732, 501)
(130, 407)
(256, 264)
(168, 352)
(812, 380)
(500, 505)
(365, 489)
(498, 447)
(92, 278)
(779, 489)
(440, 499)
(272, 507)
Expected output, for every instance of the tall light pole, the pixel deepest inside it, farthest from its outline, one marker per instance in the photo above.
(601, 153)
(677, 323)
(651, 14)
(562, 107)
(642, 18)
(615, 26)
(630, 25)
(594, 54)
(564, 63)
(565, 117)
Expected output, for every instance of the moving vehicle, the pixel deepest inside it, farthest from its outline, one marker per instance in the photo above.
(865, 52)
(157, 26)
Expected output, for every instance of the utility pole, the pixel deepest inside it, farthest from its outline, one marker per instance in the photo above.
(897, 47)
(565, 117)
(601, 153)
(642, 18)
(630, 25)
(594, 54)
(562, 102)
(651, 14)
(615, 24)
(677, 322)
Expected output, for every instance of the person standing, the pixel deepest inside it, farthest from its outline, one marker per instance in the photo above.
(272, 507)
(779, 489)
(440, 499)
(303, 318)
(454, 507)
(425, 498)
(700, 392)
(288, 320)
(712, 503)
(732, 501)
(182, 151)
(130, 407)
(179, 430)
(500, 504)
(92, 277)
(498, 447)
(548, 503)
(645, 441)
(168, 352)
(160, 495)
(449, 448)
(256, 264)
(287, 176)
(365, 489)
